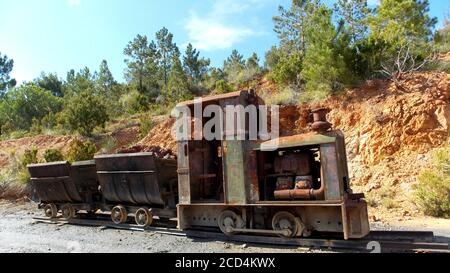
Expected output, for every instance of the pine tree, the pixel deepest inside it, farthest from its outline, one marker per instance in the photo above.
(291, 24)
(166, 50)
(353, 17)
(105, 79)
(234, 62)
(322, 66)
(6, 66)
(178, 84)
(398, 23)
(142, 68)
(194, 66)
(253, 62)
(402, 32)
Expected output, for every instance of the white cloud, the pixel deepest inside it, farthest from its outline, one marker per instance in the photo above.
(216, 30)
(373, 2)
(208, 34)
(73, 3)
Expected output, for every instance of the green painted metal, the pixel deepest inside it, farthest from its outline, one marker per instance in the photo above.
(234, 170)
(331, 172)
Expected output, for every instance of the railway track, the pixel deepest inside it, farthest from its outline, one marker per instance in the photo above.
(376, 242)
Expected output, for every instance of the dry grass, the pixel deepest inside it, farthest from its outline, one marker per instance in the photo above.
(13, 179)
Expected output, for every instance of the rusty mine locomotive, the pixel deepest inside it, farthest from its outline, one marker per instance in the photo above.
(290, 186)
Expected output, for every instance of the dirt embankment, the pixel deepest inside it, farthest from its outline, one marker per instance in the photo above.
(42, 143)
(391, 130)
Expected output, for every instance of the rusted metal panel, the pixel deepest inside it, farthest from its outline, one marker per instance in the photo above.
(325, 219)
(298, 164)
(60, 182)
(137, 179)
(84, 174)
(252, 185)
(55, 169)
(234, 170)
(341, 157)
(357, 219)
(330, 172)
(302, 140)
(184, 182)
(56, 190)
(214, 99)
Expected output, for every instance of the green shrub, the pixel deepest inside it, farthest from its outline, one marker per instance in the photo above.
(50, 121)
(80, 151)
(36, 127)
(29, 157)
(53, 155)
(14, 178)
(287, 69)
(161, 109)
(287, 96)
(134, 102)
(146, 125)
(12, 184)
(26, 102)
(84, 113)
(223, 87)
(432, 193)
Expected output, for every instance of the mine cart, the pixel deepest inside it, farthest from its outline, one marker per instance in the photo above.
(138, 184)
(65, 187)
(290, 186)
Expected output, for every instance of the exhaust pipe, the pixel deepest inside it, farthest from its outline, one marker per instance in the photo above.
(320, 124)
(310, 194)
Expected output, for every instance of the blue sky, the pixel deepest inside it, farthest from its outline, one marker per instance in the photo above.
(58, 35)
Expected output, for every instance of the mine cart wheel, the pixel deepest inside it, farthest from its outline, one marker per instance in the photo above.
(68, 212)
(228, 220)
(284, 220)
(50, 211)
(119, 215)
(143, 217)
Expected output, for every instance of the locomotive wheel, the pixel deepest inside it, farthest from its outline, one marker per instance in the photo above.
(143, 217)
(50, 211)
(284, 220)
(68, 212)
(228, 220)
(119, 215)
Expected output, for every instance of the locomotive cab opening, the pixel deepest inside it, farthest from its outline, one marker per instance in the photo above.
(286, 172)
(206, 174)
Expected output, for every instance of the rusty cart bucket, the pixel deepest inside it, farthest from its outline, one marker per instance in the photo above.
(138, 179)
(52, 183)
(61, 182)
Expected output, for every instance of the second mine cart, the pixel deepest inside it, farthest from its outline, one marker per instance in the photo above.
(138, 184)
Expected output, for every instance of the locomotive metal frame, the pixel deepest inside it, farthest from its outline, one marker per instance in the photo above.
(339, 210)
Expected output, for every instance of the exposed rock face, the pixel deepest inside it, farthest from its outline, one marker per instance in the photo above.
(161, 135)
(390, 129)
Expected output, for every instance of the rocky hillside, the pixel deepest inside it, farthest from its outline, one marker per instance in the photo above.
(391, 130)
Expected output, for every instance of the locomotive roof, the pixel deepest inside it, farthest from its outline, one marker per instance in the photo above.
(302, 140)
(217, 98)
